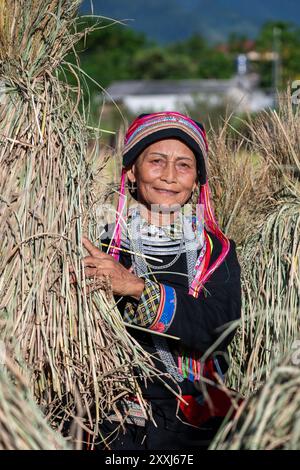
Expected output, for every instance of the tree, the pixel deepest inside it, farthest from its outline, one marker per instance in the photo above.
(159, 63)
(284, 38)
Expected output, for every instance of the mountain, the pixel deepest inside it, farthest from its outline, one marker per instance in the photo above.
(173, 20)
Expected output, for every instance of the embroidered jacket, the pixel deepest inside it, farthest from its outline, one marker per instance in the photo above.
(166, 306)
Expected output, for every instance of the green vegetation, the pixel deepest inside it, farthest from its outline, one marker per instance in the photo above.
(284, 38)
(115, 52)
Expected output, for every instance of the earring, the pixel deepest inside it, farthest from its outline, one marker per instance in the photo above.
(191, 199)
(132, 186)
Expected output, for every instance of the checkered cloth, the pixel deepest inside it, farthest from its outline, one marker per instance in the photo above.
(144, 312)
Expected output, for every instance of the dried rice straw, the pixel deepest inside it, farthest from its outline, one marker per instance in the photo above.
(268, 420)
(22, 425)
(73, 343)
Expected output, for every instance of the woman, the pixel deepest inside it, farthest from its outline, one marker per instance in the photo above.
(190, 289)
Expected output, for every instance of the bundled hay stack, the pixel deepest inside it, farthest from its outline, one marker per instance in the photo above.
(75, 345)
(276, 136)
(22, 426)
(256, 192)
(241, 183)
(270, 419)
(271, 320)
(270, 258)
(269, 255)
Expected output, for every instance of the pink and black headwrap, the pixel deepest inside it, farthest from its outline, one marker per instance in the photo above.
(150, 128)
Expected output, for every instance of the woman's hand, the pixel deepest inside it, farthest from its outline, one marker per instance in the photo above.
(99, 264)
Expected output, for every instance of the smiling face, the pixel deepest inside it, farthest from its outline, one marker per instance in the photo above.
(165, 173)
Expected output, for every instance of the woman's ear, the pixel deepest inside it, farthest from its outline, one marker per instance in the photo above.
(131, 174)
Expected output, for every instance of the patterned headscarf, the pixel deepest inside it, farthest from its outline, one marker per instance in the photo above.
(149, 128)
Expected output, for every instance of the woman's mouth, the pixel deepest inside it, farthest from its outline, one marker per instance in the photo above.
(166, 191)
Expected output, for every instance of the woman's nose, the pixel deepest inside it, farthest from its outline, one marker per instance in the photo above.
(169, 173)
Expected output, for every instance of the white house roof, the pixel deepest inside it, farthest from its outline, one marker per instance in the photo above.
(120, 89)
(157, 95)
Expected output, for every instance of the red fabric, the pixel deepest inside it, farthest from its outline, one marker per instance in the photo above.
(197, 414)
(218, 404)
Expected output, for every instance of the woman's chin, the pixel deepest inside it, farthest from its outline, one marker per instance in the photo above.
(163, 205)
(165, 202)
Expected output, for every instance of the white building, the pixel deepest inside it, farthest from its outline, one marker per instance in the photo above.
(241, 93)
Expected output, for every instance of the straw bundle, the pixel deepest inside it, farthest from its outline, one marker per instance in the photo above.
(270, 258)
(271, 273)
(75, 345)
(241, 183)
(276, 137)
(22, 426)
(270, 419)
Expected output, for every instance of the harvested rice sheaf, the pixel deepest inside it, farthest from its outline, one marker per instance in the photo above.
(22, 425)
(270, 418)
(271, 285)
(75, 345)
(270, 257)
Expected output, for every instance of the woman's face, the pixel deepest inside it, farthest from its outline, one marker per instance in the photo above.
(165, 173)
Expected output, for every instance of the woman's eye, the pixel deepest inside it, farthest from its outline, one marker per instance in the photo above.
(184, 165)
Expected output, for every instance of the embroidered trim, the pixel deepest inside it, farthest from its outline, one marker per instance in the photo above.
(166, 310)
(167, 358)
(189, 366)
(201, 266)
(131, 412)
(192, 369)
(144, 312)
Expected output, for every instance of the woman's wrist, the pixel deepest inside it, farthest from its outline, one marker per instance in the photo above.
(137, 288)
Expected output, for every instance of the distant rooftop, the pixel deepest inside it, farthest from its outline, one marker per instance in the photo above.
(240, 91)
(120, 89)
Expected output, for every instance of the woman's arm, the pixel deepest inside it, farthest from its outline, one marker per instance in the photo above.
(197, 321)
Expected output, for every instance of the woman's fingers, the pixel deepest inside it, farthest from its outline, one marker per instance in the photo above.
(106, 261)
(88, 272)
(97, 272)
(73, 278)
(91, 272)
(97, 265)
(92, 249)
(91, 261)
(99, 284)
